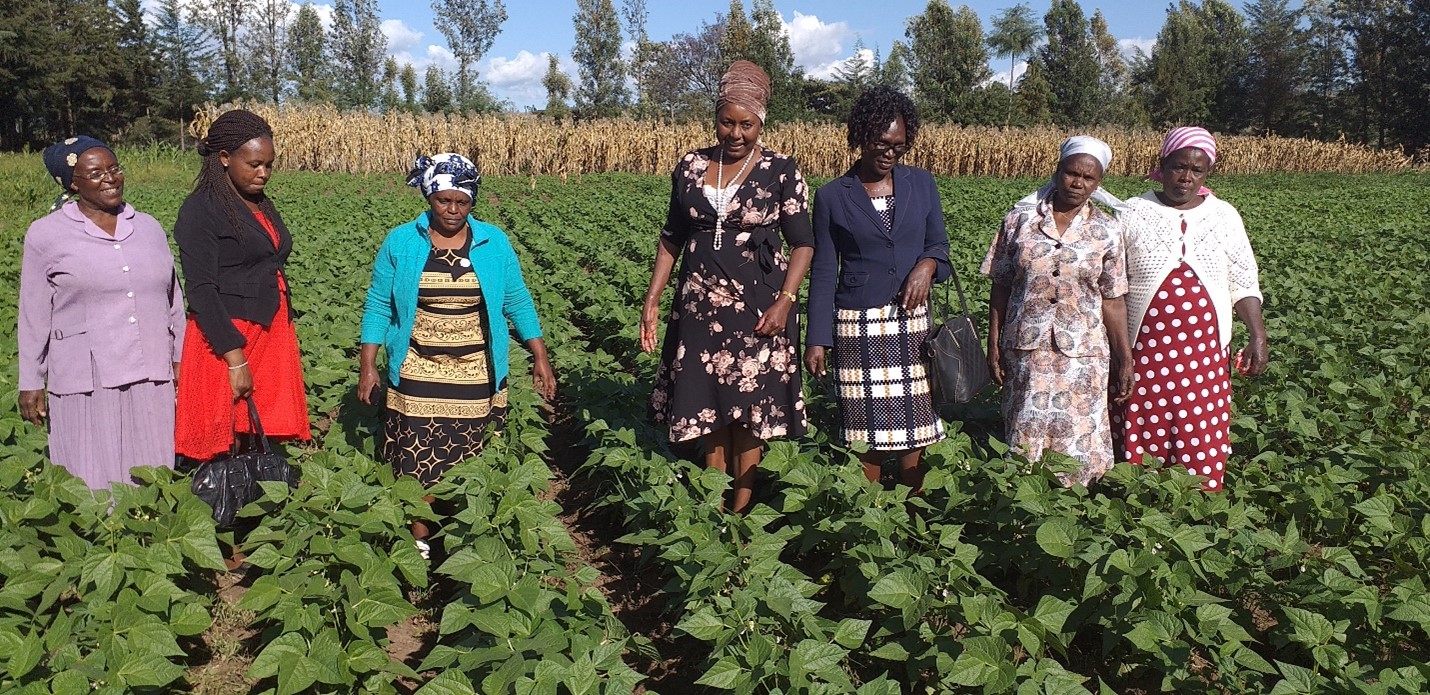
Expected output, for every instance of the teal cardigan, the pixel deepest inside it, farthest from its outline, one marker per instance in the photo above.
(392, 298)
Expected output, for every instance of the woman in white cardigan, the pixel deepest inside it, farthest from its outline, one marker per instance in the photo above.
(1189, 267)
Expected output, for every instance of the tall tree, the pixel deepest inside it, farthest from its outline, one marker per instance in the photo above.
(597, 53)
(688, 73)
(1112, 103)
(558, 90)
(436, 95)
(1372, 27)
(408, 80)
(184, 60)
(471, 26)
(1035, 95)
(390, 101)
(307, 56)
(737, 41)
(264, 45)
(1411, 59)
(770, 49)
(1273, 66)
(224, 20)
(949, 58)
(1016, 32)
(137, 63)
(1069, 62)
(358, 46)
(1178, 68)
(895, 70)
(1325, 47)
(1228, 49)
(645, 56)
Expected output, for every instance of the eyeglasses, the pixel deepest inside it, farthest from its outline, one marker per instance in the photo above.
(880, 148)
(115, 171)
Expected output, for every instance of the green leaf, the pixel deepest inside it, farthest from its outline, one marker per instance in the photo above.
(703, 624)
(26, 657)
(1052, 613)
(850, 632)
(288, 645)
(1057, 536)
(893, 651)
(726, 674)
(409, 561)
(189, 619)
(896, 590)
(818, 658)
(140, 669)
(985, 661)
(448, 683)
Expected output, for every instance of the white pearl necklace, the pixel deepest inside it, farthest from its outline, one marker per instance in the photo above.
(722, 196)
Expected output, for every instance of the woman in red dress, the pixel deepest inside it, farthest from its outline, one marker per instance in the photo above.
(1189, 268)
(240, 341)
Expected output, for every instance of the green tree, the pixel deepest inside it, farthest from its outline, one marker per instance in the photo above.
(770, 49)
(687, 73)
(1273, 66)
(1069, 62)
(138, 69)
(558, 90)
(225, 20)
(408, 80)
(597, 53)
(1411, 80)
(306, 47)
(1112, 103)
(1325, 47)
(390, 101)
(471, 26)
(1034, 98)
(184, 60)
(1228, 49)
(264, 48)
(1015, 33)
(948, 58)
(358, 47)
(644, 59)
(436, 95)
(737, 40)
(1177, 70)
(895, 70)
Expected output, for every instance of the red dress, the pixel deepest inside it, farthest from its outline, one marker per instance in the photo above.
(207, 416)
(1180, 411)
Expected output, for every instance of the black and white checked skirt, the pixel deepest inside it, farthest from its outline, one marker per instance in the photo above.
(880, 379)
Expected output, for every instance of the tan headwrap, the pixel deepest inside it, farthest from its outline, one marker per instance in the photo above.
(745, 85)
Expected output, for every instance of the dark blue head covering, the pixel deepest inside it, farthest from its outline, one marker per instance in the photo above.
(61, 157)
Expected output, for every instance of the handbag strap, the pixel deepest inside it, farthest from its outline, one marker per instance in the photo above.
(257, 428)
(947, 302)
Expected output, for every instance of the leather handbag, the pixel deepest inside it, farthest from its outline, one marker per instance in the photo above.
(957, 366)
(230, 481)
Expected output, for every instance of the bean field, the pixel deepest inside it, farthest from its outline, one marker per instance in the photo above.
(585, 554)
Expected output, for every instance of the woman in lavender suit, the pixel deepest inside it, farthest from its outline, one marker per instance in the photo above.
(101, 322)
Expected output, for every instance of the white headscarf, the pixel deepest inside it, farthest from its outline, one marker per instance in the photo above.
(444, 172)
(1077, 144)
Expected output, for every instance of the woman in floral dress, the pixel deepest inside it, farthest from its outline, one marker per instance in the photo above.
(730, 371)
(1057, 319)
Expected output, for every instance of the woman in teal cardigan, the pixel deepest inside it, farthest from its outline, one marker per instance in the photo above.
(443, 288)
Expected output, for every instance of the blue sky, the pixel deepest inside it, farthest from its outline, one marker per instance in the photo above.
(822, 33)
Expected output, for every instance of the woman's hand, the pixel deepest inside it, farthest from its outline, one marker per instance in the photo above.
(1255, 357)
(543, 378)
(650, 321)
(774, 319)
(240, 378)
(368, 379)
(814, 360)
(34, 407)
(995, 364)
(918, 283)
(1122, 380)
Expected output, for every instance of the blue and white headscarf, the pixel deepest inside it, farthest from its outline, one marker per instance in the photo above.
(444, 172)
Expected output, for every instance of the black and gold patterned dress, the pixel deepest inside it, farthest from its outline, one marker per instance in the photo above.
(439, 412)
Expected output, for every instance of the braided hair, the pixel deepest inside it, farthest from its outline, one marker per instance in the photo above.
(230, 131)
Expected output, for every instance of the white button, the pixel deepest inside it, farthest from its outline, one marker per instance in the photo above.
(129, 295)
(116, 246)
(126, 268)
(132, 319)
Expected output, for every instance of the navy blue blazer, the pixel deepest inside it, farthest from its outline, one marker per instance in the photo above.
(859, 265)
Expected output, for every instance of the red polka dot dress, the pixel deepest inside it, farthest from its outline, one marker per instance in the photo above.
(1180, 410)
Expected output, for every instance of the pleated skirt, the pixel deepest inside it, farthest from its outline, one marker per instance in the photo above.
(100, 435)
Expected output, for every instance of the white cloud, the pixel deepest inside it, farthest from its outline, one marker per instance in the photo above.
(400, 37)
(1129, 47)
(830, 70)
(519, 78)
(1001, 77)
(818, 45)
(432, 55)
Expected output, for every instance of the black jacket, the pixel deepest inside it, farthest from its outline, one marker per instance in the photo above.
(229, 272)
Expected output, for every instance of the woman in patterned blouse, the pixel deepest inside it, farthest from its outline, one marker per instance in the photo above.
(1057, 319)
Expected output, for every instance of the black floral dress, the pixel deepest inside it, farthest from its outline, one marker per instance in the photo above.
(715, 371)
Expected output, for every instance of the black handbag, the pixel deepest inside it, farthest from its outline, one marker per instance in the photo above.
(957, 366)
(230, 481)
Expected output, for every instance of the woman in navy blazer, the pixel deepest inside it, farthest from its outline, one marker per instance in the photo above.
(880, 245)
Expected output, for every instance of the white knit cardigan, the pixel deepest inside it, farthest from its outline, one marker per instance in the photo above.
(1216, 248)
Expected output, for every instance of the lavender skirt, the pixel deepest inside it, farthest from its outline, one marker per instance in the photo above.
(99, 436)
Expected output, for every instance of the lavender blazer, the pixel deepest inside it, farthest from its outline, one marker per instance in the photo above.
(97, 311)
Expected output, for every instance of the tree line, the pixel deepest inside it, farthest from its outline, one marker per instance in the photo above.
(1328, 69)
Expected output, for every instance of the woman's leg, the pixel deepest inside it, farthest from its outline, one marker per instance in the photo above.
(873, 464)
(911, 470)
(745, 455)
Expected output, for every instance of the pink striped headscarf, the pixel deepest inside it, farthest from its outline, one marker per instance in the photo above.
(1186, 136)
